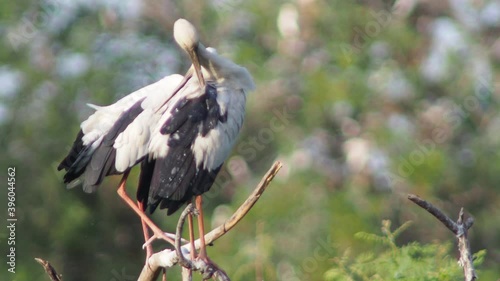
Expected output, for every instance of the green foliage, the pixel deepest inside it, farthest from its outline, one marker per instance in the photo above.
(389, 238)
(413, 261)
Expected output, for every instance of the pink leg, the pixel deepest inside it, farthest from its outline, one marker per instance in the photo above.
(145, 231)
(201, 229)
(158, 233)
(191, 236)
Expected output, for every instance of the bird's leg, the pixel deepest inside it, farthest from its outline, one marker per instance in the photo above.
(191, 236)
(145, 231)
(158, 233)
(210, 267)
(201, 229)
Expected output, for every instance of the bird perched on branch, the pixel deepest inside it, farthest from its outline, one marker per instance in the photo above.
(181, 130)
(196, 129)
(99, 151)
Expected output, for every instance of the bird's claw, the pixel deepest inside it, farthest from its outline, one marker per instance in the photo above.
(208, 271)
(186, 263)
(206, 267)
(193, 211)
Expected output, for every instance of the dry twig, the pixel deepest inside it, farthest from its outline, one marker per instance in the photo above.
(168, 258)
(178, 236)
(51, 272)
(459, 228)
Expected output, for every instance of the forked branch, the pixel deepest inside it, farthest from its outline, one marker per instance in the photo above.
(168, 258)
(459, 228)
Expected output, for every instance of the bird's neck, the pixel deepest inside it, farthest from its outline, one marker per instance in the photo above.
(221, 69)
(214, 65)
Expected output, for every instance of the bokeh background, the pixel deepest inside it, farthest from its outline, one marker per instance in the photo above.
(362, 101)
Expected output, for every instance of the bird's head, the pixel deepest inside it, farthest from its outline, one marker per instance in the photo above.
(186, 35)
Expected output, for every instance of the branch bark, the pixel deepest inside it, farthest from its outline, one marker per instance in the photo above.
(51, 272)
(459, 228)
(178, 236)
(168, 258)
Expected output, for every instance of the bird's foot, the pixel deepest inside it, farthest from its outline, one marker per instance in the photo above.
(209, 269)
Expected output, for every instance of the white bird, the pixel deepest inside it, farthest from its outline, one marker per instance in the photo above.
(196, 129)
(181, 129)
(94, 156)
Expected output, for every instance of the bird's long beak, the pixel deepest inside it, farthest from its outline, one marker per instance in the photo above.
(197, 67)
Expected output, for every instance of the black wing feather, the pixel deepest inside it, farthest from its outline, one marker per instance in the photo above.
(100, 163)
(176, 178)
(76, 160)
(213, 113)
(205, 180)
(147, 168)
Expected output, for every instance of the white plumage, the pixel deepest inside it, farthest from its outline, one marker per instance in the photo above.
(129, 147)
(133, 143)
(211, 150)
(181, 128)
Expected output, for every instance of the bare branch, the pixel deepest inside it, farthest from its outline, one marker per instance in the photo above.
(187, 274)
(178, 236)
(51, 272)
(459, 228)
(465, 260)
(449, 223)
(168, 258)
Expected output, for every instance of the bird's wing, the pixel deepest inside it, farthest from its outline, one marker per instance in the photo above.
(212, 149)
(102, 162)
(177, 175)
(92, 132)
(132, 144)
(101, 121)
(92, 149)
(74, 163)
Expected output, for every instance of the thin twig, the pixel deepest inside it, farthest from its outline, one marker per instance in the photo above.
(459, 228)
(178, 236)
(168, 258)
(449, 223)
(49, 269)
